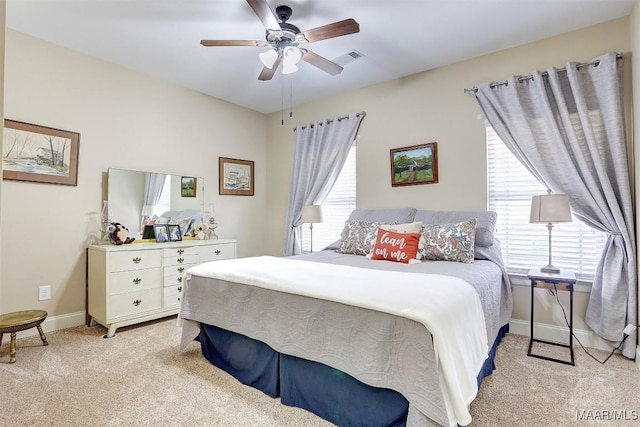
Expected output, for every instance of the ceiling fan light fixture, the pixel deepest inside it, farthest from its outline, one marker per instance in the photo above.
(292, 55)
(269, 57)
(289, 68)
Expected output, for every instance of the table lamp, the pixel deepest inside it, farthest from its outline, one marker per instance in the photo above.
(311, 214)
(550, 208)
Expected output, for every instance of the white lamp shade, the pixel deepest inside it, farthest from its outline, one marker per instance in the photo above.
(549, 208)
(311, 214)
(269, 57)
(289, 68)
(292, 55)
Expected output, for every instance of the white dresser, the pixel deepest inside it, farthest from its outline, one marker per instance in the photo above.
(133, 283)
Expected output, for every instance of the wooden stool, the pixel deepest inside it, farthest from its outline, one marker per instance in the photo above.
(20, 321)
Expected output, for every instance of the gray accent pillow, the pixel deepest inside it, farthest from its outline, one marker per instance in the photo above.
(484, 227)
(400, 216)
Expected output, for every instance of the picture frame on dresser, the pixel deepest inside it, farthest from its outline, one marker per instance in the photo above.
(175, 234)
(161, 231)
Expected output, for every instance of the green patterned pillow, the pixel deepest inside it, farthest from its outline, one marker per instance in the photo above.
(449, 242)
(358, 237)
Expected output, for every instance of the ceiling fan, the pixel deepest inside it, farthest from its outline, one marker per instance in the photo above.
(284, 39)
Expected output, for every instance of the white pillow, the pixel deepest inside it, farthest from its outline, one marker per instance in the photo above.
(409, 227)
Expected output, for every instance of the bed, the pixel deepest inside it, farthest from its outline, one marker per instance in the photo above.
(324, 332)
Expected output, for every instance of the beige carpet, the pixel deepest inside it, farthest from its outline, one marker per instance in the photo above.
(141, 378)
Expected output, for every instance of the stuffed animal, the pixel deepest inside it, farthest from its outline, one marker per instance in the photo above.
(200, 231)
(120, 234)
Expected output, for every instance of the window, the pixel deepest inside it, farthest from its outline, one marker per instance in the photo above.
(575, 246)
(164, 204)
(335, 208)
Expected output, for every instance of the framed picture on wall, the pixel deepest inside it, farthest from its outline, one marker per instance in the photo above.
(188, 186)
(235, 177)
(37, 153)
(414, 165)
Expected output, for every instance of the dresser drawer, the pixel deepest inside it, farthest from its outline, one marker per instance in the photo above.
(178, 269)
(177, 252)
(135, 280)
(181, 256)
(217, 252)
(173, 280)
(134, 260)
(132, 303)
(172, 295)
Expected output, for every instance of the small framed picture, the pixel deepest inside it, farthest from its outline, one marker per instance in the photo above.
(162, 232)
(175, 235)
(235, 177)
(414, 165)
(188, 186)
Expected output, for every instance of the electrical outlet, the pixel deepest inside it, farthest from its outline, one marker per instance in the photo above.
(44, 292)
(628, 330)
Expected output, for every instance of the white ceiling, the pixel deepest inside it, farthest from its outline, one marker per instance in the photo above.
(162, 38)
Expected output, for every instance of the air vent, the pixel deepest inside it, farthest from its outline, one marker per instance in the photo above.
(348, 58)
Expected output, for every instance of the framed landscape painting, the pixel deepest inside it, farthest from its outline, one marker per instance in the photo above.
(39, 154)
(235, 176)
(414, 165)
(188, 186)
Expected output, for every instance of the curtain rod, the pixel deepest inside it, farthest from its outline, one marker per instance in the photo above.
(331, 120)
(544, 74)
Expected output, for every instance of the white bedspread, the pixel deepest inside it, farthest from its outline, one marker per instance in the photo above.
(447, 306)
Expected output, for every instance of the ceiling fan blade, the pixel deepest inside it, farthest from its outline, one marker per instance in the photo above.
(268, 73)
(264, 12)
(209, 43)
(337, 29)
(321, 62)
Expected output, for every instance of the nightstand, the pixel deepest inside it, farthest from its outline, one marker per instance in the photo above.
(563, 281)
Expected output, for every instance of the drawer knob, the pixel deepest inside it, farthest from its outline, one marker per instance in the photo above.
(137, 302)
(217, 251)
(180, 269)
(180, 279)
(137, 281)
(180, 251)
(137, 260)
(178, 299)
(180, 260)
(179, 288)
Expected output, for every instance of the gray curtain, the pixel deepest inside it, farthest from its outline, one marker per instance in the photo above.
(567, 127)
(319, 154)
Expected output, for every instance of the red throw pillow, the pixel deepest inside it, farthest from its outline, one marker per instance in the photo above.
(392, 246)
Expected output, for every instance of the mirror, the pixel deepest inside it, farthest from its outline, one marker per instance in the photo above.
(132, 194)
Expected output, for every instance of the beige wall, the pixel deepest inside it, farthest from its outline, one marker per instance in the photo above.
(431, 106)
(126, 120)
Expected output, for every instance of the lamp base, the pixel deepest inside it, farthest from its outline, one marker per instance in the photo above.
(550, 269)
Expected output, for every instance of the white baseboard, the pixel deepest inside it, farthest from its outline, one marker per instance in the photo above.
(54, 323)
(560, 334)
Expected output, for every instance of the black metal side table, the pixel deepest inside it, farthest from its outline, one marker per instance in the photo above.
(563, 281)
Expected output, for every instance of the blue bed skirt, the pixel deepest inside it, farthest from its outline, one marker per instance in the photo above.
(327, 392)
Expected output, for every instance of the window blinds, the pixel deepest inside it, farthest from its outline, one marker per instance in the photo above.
(335, 208)
(575, 246)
